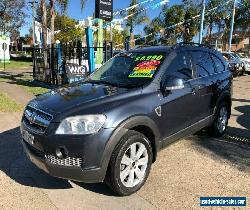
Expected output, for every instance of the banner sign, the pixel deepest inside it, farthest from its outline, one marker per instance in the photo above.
(75, 72)
(4, 48)
(99, 53)
(104, 9)
(90, 47)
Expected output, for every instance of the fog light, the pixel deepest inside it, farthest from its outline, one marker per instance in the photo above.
(62, 152)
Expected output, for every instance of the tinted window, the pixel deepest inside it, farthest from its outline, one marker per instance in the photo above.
(203, 62)
(218, 64)
(180, 67)
(129, 69)
(227, 56)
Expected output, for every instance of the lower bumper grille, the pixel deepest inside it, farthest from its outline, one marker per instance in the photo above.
(69, 161)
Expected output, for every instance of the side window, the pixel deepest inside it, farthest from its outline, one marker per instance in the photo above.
(218, 64)
(181, 67)
(203, 63)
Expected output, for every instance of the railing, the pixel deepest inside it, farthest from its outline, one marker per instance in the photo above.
(64, 64)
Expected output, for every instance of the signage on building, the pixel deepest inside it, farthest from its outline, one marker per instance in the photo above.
(104, 9)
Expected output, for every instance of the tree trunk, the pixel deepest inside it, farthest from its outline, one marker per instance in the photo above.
(132, 38)
(44, 24)
(44, 32)
(52, 23)
(210, 31)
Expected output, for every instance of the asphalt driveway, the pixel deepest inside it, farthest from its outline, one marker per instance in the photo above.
(190, 168)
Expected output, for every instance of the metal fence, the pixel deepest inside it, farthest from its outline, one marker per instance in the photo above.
(64, 64)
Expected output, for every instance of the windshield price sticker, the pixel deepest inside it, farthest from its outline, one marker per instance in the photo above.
(149, 63)
(149, 57)
(141, 74)
(144, 71)
(147, 67)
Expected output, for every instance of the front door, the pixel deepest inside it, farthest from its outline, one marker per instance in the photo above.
(179, 107)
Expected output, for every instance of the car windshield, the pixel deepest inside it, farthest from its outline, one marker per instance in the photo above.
(229, 56)
(236, 56)
(128, 69)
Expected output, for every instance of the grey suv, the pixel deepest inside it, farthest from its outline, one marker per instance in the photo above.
(111, 126)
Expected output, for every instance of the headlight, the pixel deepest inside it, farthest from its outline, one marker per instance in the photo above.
(237, 65)
(78, 125)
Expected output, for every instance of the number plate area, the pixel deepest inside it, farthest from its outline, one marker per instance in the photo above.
(28, 137)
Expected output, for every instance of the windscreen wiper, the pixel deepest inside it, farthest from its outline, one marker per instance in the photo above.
(102, 82)
(122, 85)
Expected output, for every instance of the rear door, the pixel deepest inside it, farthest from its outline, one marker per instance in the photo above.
(205, 78)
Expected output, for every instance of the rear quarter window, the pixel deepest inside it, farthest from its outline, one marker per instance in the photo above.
(219, 65)
(203, 63)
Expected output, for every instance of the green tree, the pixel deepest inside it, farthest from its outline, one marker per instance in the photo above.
(118, 38)
(216, 18)
(12, 15)
(154, 30)
(12, 18)
(135, 16)
(39, 13)
(67, 29)
(171, 16)
(63, 4)
(242, 15)
(191, 24)
(44, 32)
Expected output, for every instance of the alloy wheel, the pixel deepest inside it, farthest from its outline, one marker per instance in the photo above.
(133, 165)
(222, 119)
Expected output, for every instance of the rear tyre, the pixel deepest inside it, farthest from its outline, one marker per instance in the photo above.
(219, 126)
(130, 164)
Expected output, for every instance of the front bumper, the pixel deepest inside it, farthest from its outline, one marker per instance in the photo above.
(84, 158)
(64, 172)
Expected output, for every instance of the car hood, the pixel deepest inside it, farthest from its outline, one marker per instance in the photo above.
(72, 96)
(246, 59)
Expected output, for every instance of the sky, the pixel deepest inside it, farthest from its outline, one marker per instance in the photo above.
(74, 11)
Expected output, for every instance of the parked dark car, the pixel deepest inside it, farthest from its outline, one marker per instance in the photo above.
(236, 65)
(111, 126)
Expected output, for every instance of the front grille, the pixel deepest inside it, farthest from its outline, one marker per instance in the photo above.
(69, 161)
(36, 120)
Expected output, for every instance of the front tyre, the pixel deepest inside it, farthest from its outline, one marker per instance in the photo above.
(219, 125)
(130, 164)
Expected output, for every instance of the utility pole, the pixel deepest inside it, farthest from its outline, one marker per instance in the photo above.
(202, 20)
(111, 40)
(33, 19)
(232, 27)
(2, 15)
(111, 35)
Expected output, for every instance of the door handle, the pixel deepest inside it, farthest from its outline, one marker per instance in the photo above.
(195, 89)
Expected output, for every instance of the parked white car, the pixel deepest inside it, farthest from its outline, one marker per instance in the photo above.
(245, 60)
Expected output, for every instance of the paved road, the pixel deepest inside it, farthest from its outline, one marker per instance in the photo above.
(190, 168)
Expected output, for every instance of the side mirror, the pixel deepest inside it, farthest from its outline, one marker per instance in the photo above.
(173, 83)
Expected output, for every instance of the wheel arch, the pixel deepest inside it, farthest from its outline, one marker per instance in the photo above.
(225, 97)
(142, 124)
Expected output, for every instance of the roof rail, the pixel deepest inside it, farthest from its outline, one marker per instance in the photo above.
(181, 44)
(142, 46)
